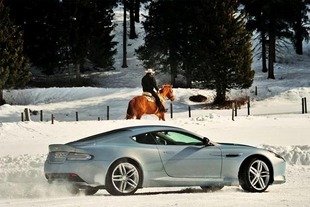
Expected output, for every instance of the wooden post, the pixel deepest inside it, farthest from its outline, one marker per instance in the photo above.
(22, 116)
(249, 104)
(41, 115)
(108, 112)
(189, 112)
(255, 90)
(171, 110)
(98, 118)
(76, 116)
(27, 114)
(233, 113)
(302, 106)
(52, 118)
(236, 108)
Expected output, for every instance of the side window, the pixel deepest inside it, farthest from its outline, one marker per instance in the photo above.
(144, 138)
(176, 138)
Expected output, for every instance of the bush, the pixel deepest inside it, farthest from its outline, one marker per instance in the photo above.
(56, 81)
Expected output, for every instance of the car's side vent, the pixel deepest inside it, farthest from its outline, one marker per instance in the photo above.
(233, 155)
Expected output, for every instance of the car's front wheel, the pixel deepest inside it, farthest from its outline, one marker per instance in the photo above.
(255, 176)
(123, 178)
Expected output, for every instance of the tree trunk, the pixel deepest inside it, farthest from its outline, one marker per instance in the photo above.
(220, 97)
(132, 34)
(77, 71)
(264, 62)
(173, 73)
(2, 101)
(188, 75)
(189, 79)
(298, 34)
(137, 11)
(124, 38)
(272, 54)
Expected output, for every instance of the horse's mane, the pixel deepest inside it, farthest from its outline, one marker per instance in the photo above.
(163, 86)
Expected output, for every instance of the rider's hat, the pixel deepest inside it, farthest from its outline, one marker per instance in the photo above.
(150, 70)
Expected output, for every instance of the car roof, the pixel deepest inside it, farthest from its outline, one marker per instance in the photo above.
(129, 131)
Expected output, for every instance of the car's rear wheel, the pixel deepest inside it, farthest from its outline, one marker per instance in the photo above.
(255, 176)
(212, 188)
(72, 189)
(123, 178)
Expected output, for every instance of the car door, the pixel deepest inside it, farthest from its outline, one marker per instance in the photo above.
(185, 155)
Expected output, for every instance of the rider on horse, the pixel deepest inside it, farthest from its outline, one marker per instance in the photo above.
(149, 84)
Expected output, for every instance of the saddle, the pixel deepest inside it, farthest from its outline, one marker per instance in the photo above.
(151, 98)
(148, 96)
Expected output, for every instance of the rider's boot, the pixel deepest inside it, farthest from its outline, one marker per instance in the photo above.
(162, 108)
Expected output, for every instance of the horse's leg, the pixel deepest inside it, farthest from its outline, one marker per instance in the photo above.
(129, 114)
(161, 116)
(129, 117)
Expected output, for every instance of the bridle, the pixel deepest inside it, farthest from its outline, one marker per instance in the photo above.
(169, 94)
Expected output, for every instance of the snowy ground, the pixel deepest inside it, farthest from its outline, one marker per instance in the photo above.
(275, 123)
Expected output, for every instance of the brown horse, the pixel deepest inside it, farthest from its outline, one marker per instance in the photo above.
(141, 105)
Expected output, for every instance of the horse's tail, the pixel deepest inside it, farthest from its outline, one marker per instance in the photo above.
(130, 112)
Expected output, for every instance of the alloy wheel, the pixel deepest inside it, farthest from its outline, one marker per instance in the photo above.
(125, 178)
(259, 175)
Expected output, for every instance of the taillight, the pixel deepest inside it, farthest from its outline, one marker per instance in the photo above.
(57, 157)
(78, 156)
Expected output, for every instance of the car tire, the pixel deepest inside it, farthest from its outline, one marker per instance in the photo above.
(255, 175)
(123, 178)
(90, 191)
(72, 189)
(212, 188)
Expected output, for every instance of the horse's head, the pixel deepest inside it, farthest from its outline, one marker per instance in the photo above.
(167, 92)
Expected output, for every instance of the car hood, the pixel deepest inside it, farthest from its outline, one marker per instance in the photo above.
(234, 145)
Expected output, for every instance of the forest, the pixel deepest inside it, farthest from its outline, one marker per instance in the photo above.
(209, 42)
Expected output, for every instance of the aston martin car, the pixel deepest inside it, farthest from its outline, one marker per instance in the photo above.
(126, 159)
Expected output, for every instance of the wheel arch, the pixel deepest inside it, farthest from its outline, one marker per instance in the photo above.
(262, 157)
(132, 161)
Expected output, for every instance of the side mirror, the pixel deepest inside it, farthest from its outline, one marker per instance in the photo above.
(206, 141)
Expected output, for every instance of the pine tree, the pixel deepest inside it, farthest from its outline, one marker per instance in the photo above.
(167, 28)
(102, 49)
(89, 25)
(68, 32)
(273, 19)
(226, 48)
(299, 21)
(14, 68)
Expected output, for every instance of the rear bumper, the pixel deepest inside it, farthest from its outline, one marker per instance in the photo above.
(70, 178)
(89, 173)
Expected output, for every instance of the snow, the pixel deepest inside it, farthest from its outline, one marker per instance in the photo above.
(275, 123)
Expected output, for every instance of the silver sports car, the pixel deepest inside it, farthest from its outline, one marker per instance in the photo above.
(126, 159)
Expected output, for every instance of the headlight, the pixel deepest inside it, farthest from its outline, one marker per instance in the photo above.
(78, 156)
